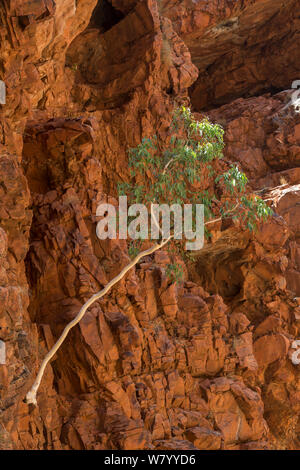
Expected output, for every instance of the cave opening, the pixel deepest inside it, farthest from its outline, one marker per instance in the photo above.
(24, 21)
(105, 16)
(221, 273)
(212, 103)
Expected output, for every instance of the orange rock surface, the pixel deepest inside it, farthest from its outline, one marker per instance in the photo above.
(201, 365)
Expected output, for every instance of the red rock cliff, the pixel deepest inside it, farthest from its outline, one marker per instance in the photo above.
(203, 365)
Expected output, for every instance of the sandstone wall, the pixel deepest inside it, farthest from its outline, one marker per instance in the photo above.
(205, 364)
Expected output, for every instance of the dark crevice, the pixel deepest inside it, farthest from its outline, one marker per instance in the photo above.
(24, 21)
(271, 90)
(221, 273)
(46, 14)
(105, 16)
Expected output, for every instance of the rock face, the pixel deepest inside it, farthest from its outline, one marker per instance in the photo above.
(242, 48)
(201, 365)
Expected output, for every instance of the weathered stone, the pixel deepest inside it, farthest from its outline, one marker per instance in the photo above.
(200, 365)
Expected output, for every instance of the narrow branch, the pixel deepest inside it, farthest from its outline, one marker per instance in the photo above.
(167, 165)
(31, 395)
(220, 218)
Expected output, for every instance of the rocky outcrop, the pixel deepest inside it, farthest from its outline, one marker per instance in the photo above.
(241, 49)
(205, 364)
(262, 135)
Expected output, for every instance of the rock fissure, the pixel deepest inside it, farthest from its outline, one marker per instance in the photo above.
(202, 365)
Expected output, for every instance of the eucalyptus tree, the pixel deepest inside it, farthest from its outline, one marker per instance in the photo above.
(187, 168)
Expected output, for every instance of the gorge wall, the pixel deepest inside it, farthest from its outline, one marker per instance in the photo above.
(205, 364)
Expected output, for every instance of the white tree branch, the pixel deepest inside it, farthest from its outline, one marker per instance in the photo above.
(31, 395)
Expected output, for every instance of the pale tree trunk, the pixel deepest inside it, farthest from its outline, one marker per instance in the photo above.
(31, 395)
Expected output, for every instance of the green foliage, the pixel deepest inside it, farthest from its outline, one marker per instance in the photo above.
(167, 175)
(234, 180)
(255, 209)
(185, 169)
